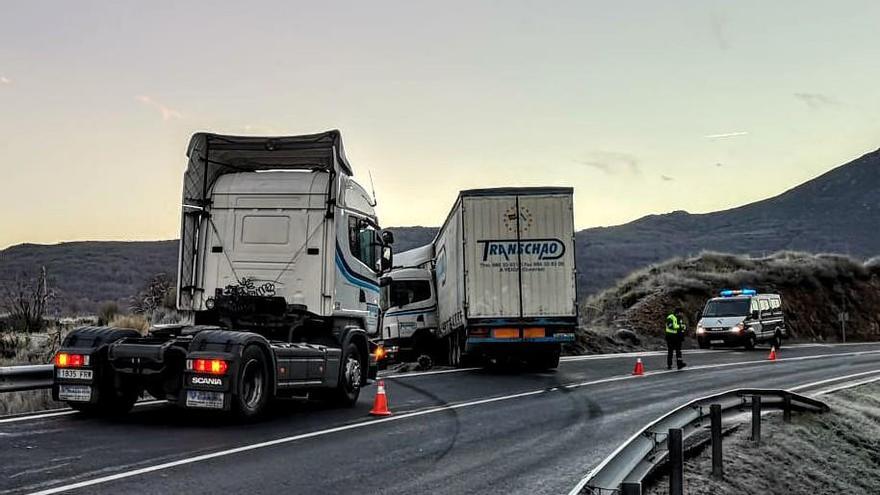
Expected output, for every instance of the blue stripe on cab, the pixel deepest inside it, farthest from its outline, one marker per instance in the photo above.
(353, 278)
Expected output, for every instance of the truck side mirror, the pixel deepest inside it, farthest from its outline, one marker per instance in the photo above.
(387, 259)
(387, 237)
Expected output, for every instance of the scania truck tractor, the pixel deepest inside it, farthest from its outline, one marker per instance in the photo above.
(498, 283)
(280, 256)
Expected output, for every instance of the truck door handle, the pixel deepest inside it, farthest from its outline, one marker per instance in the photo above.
(362, 297)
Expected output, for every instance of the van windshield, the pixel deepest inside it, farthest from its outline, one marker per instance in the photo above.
(729, 307)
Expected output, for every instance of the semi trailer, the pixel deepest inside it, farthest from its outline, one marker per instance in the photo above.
(279, 261)
(498, 282)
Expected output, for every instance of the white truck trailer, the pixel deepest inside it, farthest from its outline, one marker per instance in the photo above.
(280, 255)
(498, 282)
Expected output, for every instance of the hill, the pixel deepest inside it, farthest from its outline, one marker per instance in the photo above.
(838, 212)
(84, 275)
(814, 288)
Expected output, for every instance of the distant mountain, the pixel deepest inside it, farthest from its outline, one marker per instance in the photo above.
(83, 275)
(837, 212)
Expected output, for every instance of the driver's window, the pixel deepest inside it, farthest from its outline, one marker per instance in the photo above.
(362, 242)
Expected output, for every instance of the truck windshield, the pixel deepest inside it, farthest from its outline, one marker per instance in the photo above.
(729, 307)
(405, 292)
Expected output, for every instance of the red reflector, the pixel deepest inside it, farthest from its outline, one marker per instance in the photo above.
(65, 360)
(212, 366)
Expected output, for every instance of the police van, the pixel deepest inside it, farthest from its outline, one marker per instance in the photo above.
(742, 318)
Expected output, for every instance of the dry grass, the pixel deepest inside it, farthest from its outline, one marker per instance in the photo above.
(134, 322)
(814, 290)
(836, 452)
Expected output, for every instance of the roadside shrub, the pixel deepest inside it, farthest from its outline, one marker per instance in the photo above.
(134, 322)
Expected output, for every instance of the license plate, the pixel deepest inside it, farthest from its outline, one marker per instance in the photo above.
(75, 374)
(75, 393)
(721, 341)
(203, 398)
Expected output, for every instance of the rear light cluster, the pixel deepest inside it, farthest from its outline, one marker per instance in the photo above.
(534, 333)
(210, 366)
(478, 332)
(510, 333)
(67, 360)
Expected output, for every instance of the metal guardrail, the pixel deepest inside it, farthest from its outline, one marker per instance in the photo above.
(645, 451)
(28, 377)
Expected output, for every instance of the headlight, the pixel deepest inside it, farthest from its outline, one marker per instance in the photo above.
(700, 329)
(738, 328)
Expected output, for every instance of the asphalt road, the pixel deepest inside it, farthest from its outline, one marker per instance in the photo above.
(472, 431)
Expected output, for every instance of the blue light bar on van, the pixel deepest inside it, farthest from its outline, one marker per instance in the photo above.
(741, 292)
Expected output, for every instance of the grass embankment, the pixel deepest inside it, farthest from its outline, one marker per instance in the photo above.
(835, 452)
(814, 288)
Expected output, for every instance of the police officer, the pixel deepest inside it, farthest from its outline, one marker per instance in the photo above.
(675, 328)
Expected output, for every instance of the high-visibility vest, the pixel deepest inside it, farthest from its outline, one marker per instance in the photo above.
(672, 325)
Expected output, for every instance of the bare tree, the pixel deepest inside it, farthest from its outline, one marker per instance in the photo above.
(25, 300)
(158, 293)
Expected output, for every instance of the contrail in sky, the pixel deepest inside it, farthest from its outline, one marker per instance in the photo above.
(726, 135)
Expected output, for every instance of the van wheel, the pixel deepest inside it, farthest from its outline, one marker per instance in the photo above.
(253, 384)
(702, 344)
(750, 342)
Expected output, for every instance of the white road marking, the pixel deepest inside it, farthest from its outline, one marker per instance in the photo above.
(424, 412)
(424, 373)
(849, 385)
(63, 412)
(831, 380)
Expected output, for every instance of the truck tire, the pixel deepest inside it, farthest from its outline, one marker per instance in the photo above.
(254, 391)
(348, 388)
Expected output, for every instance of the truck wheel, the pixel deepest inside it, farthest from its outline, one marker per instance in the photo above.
(253, 384)
(750, 341)
(348, 389)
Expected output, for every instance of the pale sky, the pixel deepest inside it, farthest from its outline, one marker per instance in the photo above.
(642, 106)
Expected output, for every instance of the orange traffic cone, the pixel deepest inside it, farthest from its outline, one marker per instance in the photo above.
(380, 405)
(640, 368)
(772, 356)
